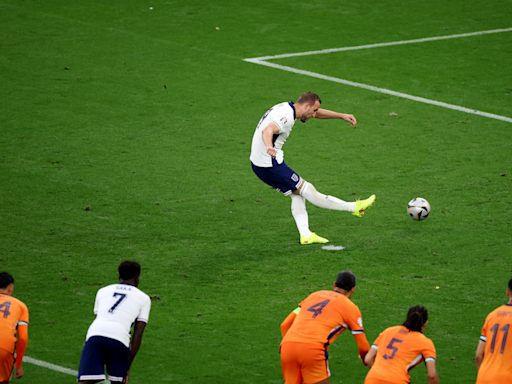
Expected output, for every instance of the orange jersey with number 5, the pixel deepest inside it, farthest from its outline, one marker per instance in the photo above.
(497, 333)
(398, 351)
(13, 312)
(323, 316)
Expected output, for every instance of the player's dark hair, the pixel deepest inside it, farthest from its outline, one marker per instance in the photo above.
(510, 284)
(309, 97)
(6, 279)
(128, 269)
(416, 318)
(346, 280)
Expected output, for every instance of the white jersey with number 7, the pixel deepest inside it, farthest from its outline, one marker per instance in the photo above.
(117, 307)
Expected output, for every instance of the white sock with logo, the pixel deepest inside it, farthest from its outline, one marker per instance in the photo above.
(309, 192)
(300, 214)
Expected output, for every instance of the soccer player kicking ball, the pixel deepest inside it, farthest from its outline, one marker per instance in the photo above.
(13, 319)
(494, 352)
(267, 158)
(117, 307)
(399, 349)
(310, 329)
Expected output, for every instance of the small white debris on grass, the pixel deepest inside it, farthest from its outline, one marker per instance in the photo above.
(333, 247)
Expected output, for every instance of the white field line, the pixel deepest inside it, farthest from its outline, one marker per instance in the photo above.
(331, 50)
(381, 90)
(53, 367)
(262, 61)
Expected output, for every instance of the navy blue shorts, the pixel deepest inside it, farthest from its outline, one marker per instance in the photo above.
(99, 352)
(279, 176)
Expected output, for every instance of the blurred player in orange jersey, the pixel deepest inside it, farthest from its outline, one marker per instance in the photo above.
(399, 349)
(310, 329)
(13, 318)
(494, 352)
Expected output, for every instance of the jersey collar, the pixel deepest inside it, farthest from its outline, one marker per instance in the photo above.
(290, 103)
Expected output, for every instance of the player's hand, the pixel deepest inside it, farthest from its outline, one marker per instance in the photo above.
(350, 118)
(272, 152)
(127, 377)
(19, 373)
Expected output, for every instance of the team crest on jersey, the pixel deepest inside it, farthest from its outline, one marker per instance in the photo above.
(295, 178)
(360, 321)
(284, 120)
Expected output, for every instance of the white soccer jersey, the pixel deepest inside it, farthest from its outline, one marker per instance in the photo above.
(117, 307)
(282, 115)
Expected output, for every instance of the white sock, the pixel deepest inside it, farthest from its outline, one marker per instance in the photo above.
(309, 192)
(300, 214)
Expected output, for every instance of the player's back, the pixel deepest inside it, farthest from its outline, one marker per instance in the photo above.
(497, 363)
(117, 307)
(398, 351)
(12, 313)
(324, 315)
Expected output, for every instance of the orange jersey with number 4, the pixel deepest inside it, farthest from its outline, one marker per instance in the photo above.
(13, 312)
(323, 316)
(497, 333)
(398, 351)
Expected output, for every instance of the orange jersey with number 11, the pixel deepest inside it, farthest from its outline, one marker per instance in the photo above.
(497, 333)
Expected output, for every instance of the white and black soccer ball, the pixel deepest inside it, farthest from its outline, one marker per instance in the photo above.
(418, 208)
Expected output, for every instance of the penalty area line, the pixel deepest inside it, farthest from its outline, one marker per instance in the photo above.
(53, 367)
(368, 46)
(381, 90)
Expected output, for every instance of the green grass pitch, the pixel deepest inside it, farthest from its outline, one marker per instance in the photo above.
(146, 117)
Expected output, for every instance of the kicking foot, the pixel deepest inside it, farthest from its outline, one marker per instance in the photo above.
(313, 238)
(362, 205)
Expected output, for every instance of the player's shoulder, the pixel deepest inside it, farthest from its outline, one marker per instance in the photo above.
(502, 311)
(18, 302)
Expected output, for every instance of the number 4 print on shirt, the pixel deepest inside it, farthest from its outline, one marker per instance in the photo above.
(4, 307)
(317, 308)
(394, 349)
(123, 295)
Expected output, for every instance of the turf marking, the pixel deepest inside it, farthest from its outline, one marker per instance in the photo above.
(263, 61)
(53, 367)
(331, 50)
(333, 247)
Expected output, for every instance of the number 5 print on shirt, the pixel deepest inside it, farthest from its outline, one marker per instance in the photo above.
(394, 349)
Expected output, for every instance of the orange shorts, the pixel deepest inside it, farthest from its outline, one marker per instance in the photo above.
(303, 363)
(6, 364)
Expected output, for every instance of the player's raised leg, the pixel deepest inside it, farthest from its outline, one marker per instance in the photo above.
(357, 208)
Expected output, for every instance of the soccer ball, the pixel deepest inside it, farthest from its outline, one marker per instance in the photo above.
(418, 208)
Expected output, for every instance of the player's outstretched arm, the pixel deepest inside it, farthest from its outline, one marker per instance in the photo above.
(363, 346)
(369, 359)
(287, 323)
(21, 347)
(479, 357)
(138, 330)
(326, 114)
(432, 376)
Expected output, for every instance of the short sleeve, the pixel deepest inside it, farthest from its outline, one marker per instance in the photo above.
(355, 320)
(144, 311)
(24, 315)
(376, 342)
(96, 302)
(429, 351)
(483, 335)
